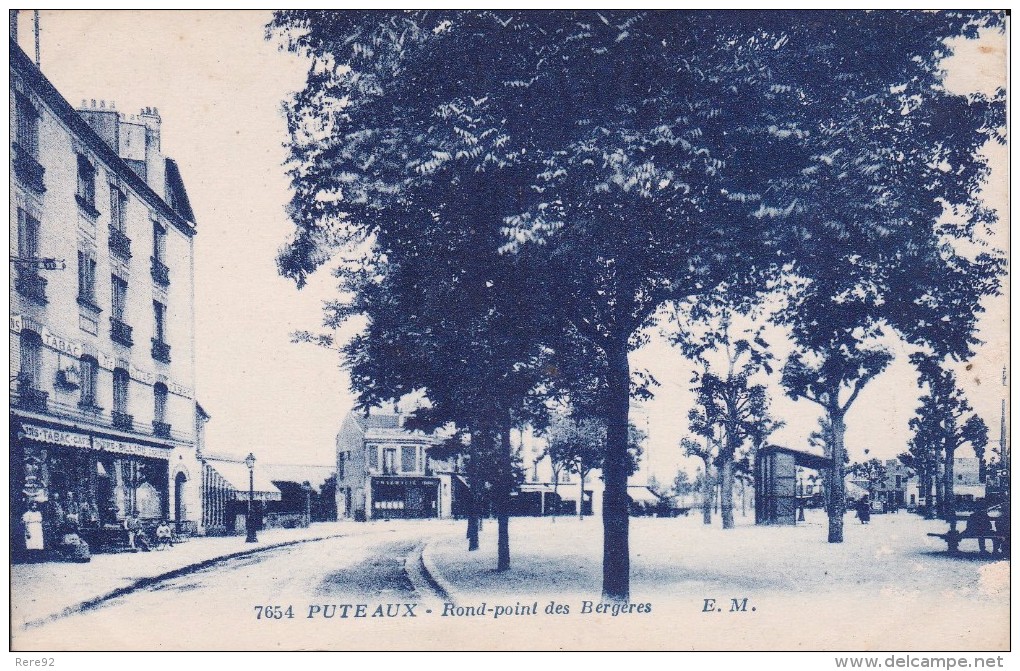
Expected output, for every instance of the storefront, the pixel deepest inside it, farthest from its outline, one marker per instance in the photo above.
(83, 480)
(412, 498)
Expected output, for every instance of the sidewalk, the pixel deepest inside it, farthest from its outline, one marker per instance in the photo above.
(49, 589)
(857, 594)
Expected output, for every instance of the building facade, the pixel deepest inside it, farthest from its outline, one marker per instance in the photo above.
(103, 412)
(384, 471)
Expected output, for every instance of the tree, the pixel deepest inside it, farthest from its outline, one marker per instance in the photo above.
(707, 453)
(727, 404)
(682, 485)
(945, 421)
(873, 472)
(625, 149)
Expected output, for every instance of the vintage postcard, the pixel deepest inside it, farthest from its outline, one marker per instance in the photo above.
(510, 330)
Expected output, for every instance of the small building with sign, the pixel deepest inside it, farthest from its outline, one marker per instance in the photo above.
(102, 403)
(385, 471)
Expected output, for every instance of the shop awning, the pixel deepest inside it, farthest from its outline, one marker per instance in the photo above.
(235, 475)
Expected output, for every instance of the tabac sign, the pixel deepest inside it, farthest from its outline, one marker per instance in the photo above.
(54, 437)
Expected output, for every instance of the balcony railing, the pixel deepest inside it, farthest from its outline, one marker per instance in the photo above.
(120, 332)
(160, 272)
(28, 169)
(160, 351)
(120, 244)
(87, 206)
(123, 421)
(89, 406)
(30, 398)
(160, 429)
(32, 286)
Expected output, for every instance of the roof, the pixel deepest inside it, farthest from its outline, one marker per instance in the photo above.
(314, 475)
(800, 457)
(236, 475)
(642, 494)
(44, 88)
(388, 427)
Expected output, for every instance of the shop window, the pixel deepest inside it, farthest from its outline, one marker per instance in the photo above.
(408, 459)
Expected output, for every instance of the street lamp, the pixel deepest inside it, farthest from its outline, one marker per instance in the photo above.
(307, 487)
(249, 461)
(800, 497)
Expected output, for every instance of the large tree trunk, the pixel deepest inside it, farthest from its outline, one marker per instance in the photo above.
(580, 496)
(707, 493)
(837, 498)
(948, 486)
(504, 483)
(940, 485)
(476, 484)
(928, 482)
(615, 521)
(726, 492)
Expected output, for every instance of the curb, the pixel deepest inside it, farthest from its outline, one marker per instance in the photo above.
(434, 577)
(148, 581)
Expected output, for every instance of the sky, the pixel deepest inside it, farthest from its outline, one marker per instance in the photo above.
(218, 85)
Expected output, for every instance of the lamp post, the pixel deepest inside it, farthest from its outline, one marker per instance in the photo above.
(800, 495)
(249, 524)
(307, 487)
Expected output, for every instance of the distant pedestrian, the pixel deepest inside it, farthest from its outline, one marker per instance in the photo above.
(864, 510)
(32, 521)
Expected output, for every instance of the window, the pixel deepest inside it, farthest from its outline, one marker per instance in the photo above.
(86, 194)
(27, 131)
(28, 235)
(158, 242)
(390, 461)
(160, 396)
(86, 277)
(121, 380)
(408, 459)
(341, 459)
(31, 360)
(373, 457)
(89, 373)
(119, 301)
(118, 206)
(159, 310)
(26, 145)
(899, 480)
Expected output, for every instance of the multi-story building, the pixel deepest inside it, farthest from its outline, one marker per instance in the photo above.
(385, 471)
(103, 412)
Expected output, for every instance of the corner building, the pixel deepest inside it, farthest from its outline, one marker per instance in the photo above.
(102, 362)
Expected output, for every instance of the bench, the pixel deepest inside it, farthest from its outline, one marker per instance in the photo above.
(953, 538)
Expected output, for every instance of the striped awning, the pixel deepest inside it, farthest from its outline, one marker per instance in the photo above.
(235, 475)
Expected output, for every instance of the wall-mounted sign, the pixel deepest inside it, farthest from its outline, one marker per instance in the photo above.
(180, 389)
(141, 375)
(42, 434)
(17, 323)
(134, 449)
(60, 344)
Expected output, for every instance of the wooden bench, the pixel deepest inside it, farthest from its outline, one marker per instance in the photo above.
(953, 538)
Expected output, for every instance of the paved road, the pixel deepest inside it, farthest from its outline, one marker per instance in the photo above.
(296, 587)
